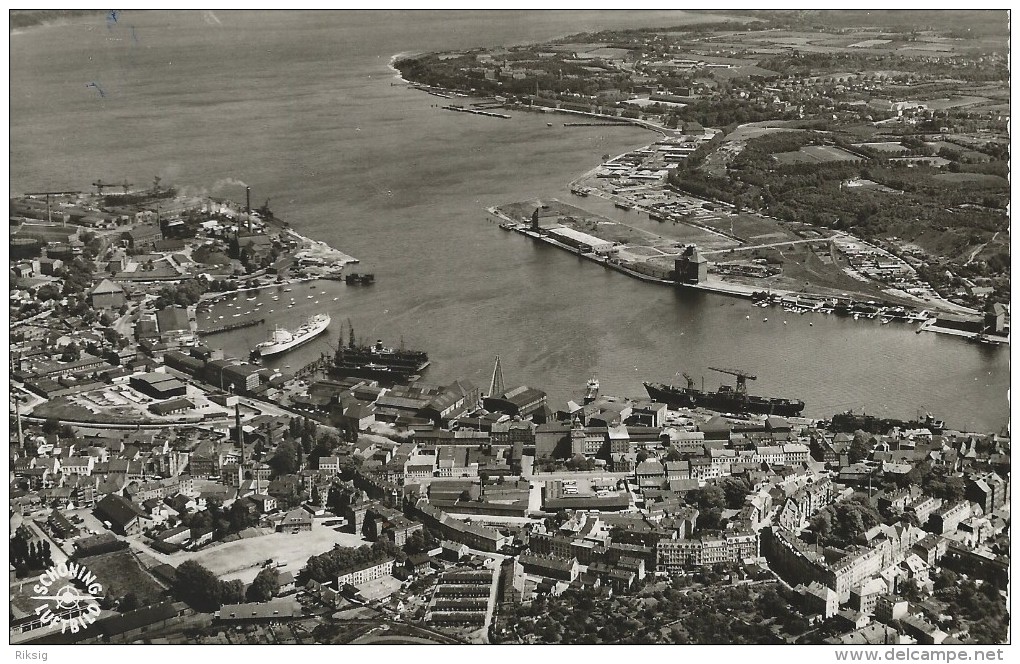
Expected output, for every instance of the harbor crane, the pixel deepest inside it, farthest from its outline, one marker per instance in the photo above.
(100, 185)
(742, 377)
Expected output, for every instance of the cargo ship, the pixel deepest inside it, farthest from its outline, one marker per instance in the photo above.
(377, 362)
(727, 399)
(283, 340)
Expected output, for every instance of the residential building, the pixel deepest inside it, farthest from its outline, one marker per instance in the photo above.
(365, 572)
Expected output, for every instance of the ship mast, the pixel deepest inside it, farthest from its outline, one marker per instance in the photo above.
(496, 387)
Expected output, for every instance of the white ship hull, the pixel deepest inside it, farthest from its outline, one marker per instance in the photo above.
(316, 326)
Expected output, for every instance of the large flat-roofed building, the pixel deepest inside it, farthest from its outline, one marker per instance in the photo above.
(158, 385)
(578, 240)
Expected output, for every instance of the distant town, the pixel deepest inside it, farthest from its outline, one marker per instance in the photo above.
(166, 491)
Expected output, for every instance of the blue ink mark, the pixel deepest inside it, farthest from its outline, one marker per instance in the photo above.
(111, 18)
(95, 85)
(134, 35)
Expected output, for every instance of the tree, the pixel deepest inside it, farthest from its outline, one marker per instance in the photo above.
(265, 586)
(946, 578)
(711, 496)
(285, 461)
(860, 448)
(196, 585)
(51, 426)
(735, 489)
(231, 592)
(821, 524)
(242, 514)
(129, 602)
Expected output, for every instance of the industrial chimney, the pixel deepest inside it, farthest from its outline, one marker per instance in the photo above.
(247, 206)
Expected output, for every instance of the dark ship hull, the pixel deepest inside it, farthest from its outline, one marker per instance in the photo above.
(725, 400)
(378, 363)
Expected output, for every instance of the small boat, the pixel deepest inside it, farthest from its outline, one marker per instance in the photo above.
(764, 320)
(287, 290)
(747, 317)
(251, 299)
(335, 299)
(309, 297)
(886, 320)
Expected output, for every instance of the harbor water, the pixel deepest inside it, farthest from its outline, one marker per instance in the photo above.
(304, 108)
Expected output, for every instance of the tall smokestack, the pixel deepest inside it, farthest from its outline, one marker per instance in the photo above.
(240, 432)
(247, 205)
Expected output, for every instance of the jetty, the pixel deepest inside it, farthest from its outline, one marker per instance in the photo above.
(475, 111)
(232, 326)
(597, 124)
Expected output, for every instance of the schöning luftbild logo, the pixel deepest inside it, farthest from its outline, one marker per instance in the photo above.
(64, 603)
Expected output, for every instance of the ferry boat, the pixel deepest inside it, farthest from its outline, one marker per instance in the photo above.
(283, 340)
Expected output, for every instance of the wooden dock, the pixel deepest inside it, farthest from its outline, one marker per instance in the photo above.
(232, 326)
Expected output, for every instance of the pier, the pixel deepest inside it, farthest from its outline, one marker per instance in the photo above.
(597, 124)
(321, 364)
(232, 326)
(475, 111)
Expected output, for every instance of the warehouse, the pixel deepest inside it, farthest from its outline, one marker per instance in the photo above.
(158, 385)
(578, 240)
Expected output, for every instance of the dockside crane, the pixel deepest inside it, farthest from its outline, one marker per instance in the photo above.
(742, 377)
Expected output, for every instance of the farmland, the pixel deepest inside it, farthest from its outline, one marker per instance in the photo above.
(815, 154)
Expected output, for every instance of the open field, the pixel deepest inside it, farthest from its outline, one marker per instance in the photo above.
(243, 558)
(893, 147)
(815, 154)
(120, 573)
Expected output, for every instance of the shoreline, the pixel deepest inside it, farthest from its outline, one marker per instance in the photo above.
(716, 286)
(343, 260)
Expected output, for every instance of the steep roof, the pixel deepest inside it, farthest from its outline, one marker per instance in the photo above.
(106, 286)
(119, 510)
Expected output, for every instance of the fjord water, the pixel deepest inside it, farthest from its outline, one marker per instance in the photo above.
(302, 107)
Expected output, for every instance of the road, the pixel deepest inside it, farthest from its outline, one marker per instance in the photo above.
(763, 246)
